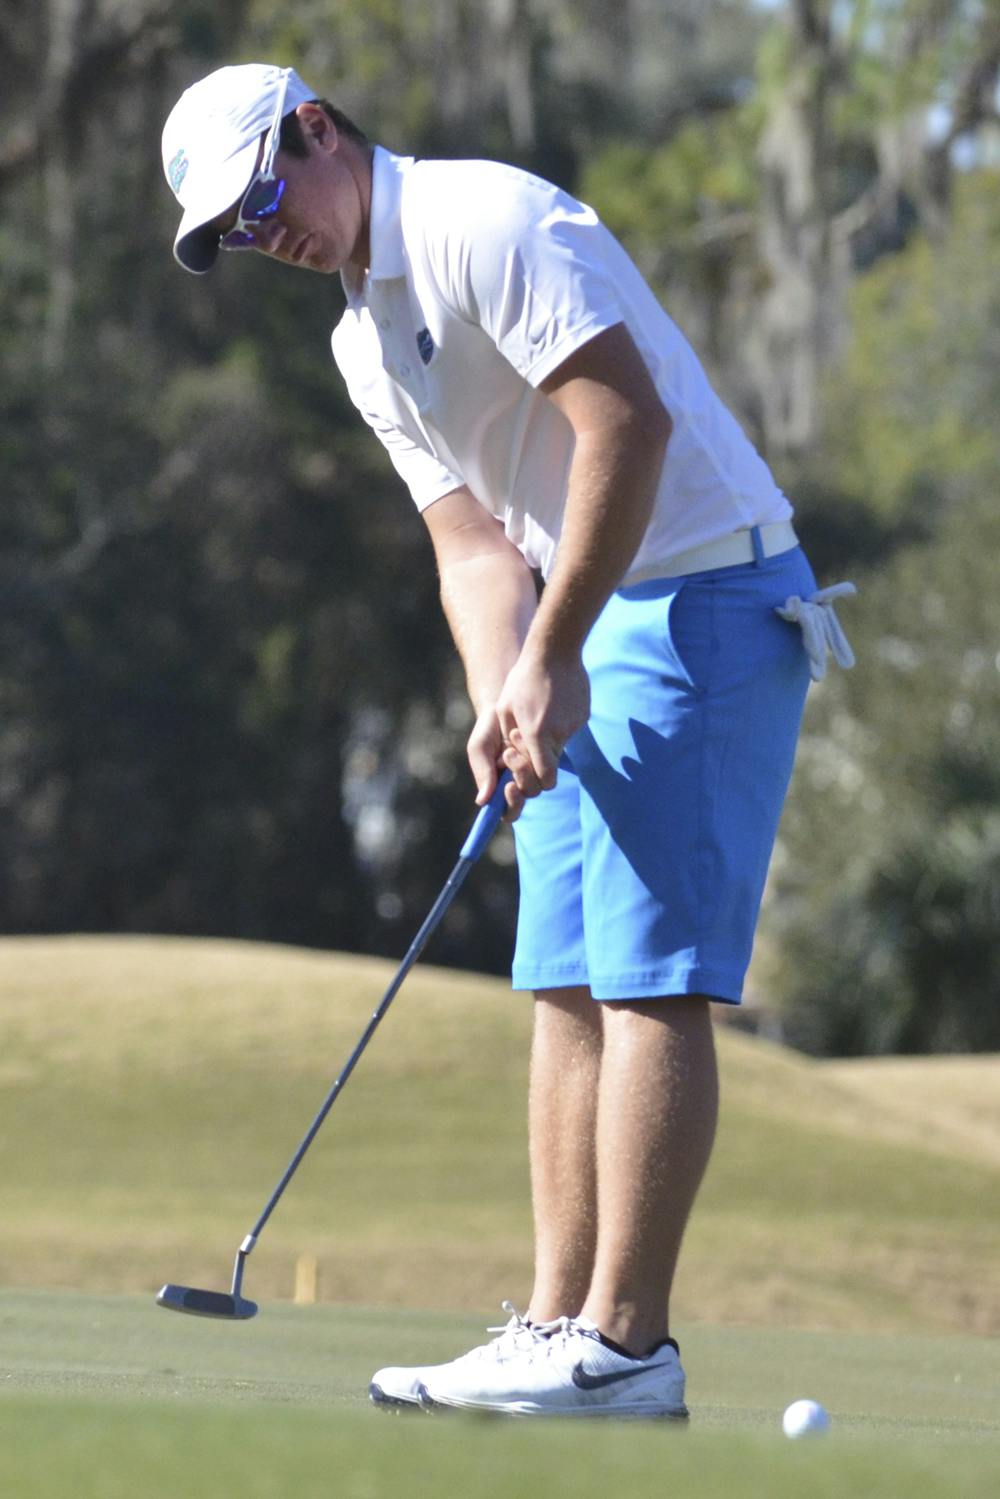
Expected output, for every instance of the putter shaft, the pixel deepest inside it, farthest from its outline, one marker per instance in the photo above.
(482, 830)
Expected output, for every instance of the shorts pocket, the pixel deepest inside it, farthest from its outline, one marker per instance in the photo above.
(691, 637)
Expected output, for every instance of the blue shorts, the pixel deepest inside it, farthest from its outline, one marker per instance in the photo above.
(641, 873)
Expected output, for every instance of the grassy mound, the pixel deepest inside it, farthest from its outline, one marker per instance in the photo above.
(156, 1088)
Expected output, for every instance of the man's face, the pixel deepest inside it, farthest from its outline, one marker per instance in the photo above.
(322, 220)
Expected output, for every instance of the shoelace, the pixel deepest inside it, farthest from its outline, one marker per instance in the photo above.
(821, 629)
(521, 1333)
(551, 1337)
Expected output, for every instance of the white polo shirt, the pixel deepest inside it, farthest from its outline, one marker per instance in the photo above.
(483, 280)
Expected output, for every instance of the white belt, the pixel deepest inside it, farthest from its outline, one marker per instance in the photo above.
(728, 551)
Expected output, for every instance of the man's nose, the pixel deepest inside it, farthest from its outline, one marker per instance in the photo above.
(267, 235)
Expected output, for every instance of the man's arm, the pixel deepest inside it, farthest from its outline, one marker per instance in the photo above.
(621, 430)
(489, 598)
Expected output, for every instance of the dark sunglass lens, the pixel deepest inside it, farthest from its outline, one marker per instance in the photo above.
(262, 200)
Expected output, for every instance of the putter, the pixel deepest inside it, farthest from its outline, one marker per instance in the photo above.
(234, 1306)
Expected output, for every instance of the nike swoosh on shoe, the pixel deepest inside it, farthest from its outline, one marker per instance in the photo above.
(585, 1381)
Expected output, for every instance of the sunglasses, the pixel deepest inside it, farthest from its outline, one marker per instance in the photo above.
(262, 198)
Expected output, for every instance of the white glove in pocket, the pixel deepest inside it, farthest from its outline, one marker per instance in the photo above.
(822, 632)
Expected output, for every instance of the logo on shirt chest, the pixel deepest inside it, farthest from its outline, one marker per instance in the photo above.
(425, 345)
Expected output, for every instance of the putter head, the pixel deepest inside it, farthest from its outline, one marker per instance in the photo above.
(206, 1303)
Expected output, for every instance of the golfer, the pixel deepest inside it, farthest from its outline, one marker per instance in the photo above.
(548, 418)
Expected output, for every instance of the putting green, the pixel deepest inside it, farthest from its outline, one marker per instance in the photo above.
(107, 1397)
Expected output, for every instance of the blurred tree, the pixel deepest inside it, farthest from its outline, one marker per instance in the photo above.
(227, 698)
(208, 576)
(844, 86)
(887, 889)
(754, 213)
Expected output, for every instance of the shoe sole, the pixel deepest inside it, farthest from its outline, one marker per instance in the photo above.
(385, 1402)
(523, 1408)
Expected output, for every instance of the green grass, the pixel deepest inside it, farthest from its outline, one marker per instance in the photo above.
(102, 1397)
(155, 1089)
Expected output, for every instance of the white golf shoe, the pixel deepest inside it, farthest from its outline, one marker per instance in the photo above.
(570, 1371)
(401, 1387)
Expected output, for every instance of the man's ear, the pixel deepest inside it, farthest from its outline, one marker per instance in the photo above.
(316, 126)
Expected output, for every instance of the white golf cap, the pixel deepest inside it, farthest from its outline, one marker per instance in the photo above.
(210, 145)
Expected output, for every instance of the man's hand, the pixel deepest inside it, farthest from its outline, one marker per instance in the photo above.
(542, 705)
(485, 751)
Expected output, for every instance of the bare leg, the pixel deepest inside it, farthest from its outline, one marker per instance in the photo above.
(657, 1112)
(565, 1072)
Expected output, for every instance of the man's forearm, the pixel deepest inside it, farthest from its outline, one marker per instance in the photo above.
(621, 430)
(489, 602)
(612, 486)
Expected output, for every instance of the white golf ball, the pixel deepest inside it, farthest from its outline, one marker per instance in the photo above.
(804, 1418)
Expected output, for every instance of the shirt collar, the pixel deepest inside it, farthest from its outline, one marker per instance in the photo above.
(385, 229)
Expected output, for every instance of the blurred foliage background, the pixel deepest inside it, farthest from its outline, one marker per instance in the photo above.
(228, 702)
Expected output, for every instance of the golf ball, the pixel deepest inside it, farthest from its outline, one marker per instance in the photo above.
(804, 1418)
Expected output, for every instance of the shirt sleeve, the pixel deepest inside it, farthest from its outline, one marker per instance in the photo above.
(426, 477)
(529, 264)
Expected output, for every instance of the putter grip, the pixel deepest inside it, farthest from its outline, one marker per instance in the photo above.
(485, 824)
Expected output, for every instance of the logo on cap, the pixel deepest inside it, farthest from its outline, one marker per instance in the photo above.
(177, 171)
(425, 345)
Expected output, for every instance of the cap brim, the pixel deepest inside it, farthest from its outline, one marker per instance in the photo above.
(196, 246)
